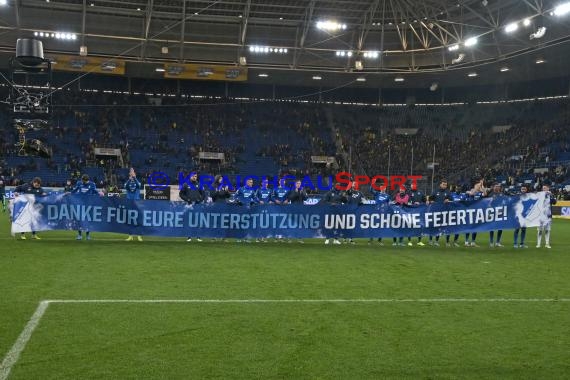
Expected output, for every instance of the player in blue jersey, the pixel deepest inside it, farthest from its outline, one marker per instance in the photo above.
(441, 195)
(133, 191)
(264, 194)
(281, 193)
(521, 230)
(496, 193)
(456, 196)
(265, 197)
(247, 195)
(85, 187)
(380, 197)
(280, 196)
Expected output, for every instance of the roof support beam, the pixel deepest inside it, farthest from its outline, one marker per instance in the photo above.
(300, 43)
(148, 18)
(83, 18)
(480, 16)
(17, 12)
(367, 23)
(534, 6)
(182, 31)
(244, 23)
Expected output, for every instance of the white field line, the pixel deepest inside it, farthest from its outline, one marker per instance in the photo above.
(338, 300)
(13, 355)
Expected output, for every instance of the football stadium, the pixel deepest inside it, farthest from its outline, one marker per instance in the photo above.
(284, 189)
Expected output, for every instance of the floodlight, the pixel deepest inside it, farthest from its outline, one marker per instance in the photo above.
(471, 41)
(562, 9)
(512, 27)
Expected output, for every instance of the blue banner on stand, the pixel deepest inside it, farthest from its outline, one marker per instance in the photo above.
(160, 218)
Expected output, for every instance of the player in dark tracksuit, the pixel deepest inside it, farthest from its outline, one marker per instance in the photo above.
(297, 195)
(192, 194)
(380, 197)
(68, 188)
(353, 197)
(221, 192)
(334, 197)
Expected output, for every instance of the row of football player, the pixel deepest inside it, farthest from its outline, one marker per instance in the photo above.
(248, 194)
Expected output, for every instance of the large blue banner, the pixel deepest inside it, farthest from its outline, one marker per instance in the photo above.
(161, 218)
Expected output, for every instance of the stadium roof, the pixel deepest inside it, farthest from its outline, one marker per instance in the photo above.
(410, 37)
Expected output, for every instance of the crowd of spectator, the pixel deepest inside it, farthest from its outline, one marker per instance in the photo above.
(500, 141)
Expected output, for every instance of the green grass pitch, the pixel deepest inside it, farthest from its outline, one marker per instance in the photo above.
(285, 340)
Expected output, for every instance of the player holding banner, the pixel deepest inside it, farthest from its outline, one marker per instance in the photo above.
(522, 230)
(496, 194)
(417, 198)
(34, 188)
(353, 197)
(476, 193)
(380, 197)
(442, 195)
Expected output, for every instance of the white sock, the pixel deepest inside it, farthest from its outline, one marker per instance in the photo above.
(547, 236)
(539, 237)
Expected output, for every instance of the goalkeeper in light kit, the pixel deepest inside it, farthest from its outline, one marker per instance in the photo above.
(546, 222)
(133, 190)
(35, 188)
